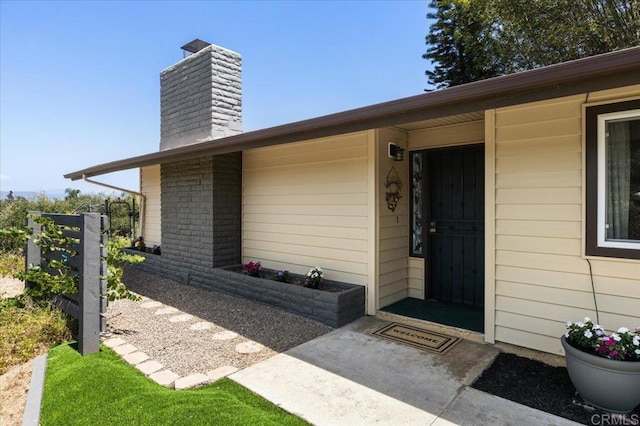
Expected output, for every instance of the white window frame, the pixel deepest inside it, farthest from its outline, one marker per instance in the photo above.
(602, 170)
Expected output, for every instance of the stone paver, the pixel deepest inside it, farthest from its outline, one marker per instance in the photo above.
(249, 347)
(166, 311)
(125, 349)
(114, 341)
(191, 381)
(150, 304)
(224, 335)
(201, 326)
(221, 372)
(149, 367)
(181, 318)
(136, 358)
(164, 377)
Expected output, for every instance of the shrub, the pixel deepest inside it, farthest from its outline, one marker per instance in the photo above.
(29, 331)
(11, 263)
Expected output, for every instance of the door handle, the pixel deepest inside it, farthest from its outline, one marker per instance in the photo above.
(432, 230)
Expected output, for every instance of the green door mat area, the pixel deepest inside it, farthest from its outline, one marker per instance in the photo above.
(441, 313)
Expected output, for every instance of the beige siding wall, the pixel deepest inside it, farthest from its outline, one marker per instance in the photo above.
(393, 272)
(150, 187)
(307, 204)
(454, 134)
(416, 278)
(542, 279)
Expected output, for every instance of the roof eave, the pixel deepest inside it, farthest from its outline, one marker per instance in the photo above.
(592, 73)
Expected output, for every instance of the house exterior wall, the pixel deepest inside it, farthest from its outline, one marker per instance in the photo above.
(150, 187)
(393, 226)
(306, 204)
(451, 135)
(201, 202)
(542, 278)
(416, 278)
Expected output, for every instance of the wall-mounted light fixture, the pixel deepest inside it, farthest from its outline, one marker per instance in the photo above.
(394, 151)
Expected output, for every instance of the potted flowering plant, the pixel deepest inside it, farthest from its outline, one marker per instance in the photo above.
(604, 367)
(314, 277)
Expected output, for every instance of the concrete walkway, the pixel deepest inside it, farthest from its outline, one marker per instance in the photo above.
(350, 377)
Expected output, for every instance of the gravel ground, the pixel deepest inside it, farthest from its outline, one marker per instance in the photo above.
(191, 330)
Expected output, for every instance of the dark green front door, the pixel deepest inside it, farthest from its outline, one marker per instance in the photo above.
(454, 225)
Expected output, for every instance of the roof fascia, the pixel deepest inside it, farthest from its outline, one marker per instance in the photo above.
(606, 71)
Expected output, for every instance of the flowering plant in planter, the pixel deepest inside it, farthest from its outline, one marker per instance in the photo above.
(314, 277)
(282, 276)
(252, 268)
(623, 345)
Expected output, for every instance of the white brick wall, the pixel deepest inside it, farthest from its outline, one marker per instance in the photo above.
(201, 98)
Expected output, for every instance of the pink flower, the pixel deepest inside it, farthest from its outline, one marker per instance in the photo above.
(609, 342)
(613, 353)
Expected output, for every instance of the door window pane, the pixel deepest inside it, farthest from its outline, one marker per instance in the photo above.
(416, 204)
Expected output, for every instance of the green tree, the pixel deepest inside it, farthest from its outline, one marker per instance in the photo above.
(460, 44)
(504, 36)
(72, 194)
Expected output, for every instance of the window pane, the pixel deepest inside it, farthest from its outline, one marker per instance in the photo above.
(622, 183)
(416, 214)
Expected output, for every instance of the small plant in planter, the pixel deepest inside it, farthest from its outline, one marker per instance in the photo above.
(156, 250)
(314, 277)
(604, 367)
(139, 244)
(252, 268)
(282, 276)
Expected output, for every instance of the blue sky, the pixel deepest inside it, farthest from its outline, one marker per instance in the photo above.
(79, 81)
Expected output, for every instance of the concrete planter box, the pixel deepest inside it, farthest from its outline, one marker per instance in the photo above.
(334, 309)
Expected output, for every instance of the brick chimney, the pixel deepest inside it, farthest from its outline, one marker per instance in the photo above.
(201, 96)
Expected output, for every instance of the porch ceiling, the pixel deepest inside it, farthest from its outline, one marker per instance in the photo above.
(442, 121)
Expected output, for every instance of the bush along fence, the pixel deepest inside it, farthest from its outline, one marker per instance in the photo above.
(69, 253)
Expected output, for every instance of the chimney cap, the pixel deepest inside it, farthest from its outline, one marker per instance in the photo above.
(195, 46)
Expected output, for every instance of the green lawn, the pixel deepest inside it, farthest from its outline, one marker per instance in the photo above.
(101, 389)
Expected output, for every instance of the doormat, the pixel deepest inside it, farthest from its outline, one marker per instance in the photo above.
(418, 338)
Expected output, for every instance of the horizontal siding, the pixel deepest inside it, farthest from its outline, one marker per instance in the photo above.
(393, 229)
(559, 179)
(150, 187)
(455, 134)
(306, 204)
(542, 280)
(614, 94)
(416, 278)
(543, 228)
